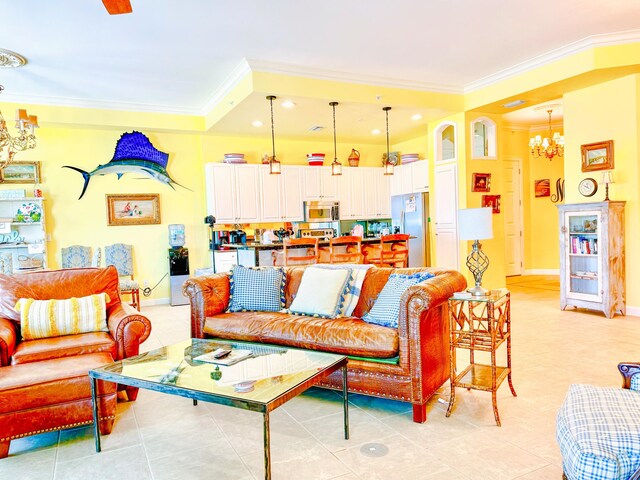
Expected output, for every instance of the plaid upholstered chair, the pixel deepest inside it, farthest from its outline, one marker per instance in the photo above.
(598, 430)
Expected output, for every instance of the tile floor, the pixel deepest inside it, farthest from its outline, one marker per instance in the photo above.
(165, 437)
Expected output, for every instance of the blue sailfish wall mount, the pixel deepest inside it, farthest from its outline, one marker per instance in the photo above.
(134, 153)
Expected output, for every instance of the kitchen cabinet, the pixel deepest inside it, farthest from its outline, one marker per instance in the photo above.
(24, 245)
(351, 185)
(233, 192)
(410, 178)
(281, 195)
(377, 194)
(319, 184)
(592, 256)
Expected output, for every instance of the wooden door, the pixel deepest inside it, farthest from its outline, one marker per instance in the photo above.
(512, 204)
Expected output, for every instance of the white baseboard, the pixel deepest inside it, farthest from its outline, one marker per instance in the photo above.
(155, 301)
(542, 271)
(633, 311)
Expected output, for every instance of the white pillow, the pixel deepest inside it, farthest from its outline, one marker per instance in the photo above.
(321, 292)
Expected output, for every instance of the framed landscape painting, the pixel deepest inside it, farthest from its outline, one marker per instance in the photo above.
(597, 156)
(133, 209)
(21, 172)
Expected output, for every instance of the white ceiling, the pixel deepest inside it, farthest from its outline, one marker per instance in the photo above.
(172, 55)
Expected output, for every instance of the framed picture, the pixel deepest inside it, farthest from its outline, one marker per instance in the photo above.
(481, 182)
(542, 187)
(21, 172)
(492, 201)
(597, 156)
(133, 209)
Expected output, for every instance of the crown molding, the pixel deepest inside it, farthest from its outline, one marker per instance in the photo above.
(231, 82)
(337, 76)
(593, 41)
(515, 127)
(98, 104)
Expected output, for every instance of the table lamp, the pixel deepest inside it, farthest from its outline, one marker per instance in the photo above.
(476, 224)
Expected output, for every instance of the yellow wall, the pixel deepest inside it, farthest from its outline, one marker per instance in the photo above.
(609, 111)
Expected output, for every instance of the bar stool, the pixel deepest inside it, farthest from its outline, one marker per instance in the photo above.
(352, 252)
(393, 251)
(290, 245)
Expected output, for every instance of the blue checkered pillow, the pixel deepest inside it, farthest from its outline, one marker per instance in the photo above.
(256, 289)
(387, 307)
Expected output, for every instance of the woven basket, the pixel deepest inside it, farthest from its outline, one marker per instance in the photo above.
(25, 261)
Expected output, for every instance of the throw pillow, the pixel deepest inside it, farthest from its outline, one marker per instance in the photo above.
(386, 309)
(255, 289)
(358, 272)
(321, 292)
(54, 318)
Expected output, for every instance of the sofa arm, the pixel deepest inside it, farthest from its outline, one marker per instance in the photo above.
(208, 296)
(8, 340)
(423, 329)
(128, 328)
(628, 370)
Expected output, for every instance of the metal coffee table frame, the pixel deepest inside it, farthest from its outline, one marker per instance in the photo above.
(246, 404)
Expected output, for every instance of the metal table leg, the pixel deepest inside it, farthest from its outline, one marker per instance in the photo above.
(96, 420)
(345, 397)
(267, 448)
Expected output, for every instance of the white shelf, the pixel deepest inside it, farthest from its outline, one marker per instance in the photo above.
(26, 199)
(583, 254)
(17, 245)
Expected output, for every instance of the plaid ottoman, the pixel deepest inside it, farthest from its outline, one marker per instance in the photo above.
(598, 431)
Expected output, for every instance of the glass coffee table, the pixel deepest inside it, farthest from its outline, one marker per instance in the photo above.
(262, 382)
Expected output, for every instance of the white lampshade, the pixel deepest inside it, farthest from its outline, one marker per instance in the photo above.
(475, 223)
(607, 178)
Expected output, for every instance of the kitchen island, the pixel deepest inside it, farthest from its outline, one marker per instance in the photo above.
(254, 254)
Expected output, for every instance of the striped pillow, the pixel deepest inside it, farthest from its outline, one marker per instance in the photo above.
(54, 318)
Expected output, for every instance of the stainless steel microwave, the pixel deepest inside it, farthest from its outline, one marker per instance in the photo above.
(315, 211)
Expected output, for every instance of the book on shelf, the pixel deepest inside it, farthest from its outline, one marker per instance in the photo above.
(234, 357)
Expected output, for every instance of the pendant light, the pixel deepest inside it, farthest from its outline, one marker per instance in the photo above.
(336, 166)
(388, 166)
(274, 164)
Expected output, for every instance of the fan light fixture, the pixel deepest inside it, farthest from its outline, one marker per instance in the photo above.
(274, 165)
(336, 166)
(388, 166)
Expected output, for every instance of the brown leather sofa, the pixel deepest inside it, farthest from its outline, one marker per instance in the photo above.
(408, 363)
(44, 384)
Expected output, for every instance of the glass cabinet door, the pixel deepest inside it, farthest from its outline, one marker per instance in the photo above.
(584, 264)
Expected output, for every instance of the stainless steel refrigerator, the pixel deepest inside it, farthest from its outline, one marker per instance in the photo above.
(410, 213)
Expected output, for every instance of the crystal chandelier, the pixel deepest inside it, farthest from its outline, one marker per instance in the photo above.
(549, 146)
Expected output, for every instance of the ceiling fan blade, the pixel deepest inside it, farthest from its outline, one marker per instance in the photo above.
(116, 7)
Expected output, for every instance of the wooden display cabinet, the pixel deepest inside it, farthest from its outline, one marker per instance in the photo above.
(592, 259)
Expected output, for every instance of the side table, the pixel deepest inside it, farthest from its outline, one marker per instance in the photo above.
(481, 323)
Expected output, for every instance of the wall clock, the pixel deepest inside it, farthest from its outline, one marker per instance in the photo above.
(588, 187)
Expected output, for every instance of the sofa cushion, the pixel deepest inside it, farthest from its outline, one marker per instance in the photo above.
(346, 335)
(321, 292)
(352, 295)
(386, 309)
(256, 289)
(53, 318)
(66, 346)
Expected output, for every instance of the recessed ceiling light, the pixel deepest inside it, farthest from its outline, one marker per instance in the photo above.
(375, 131)
(288, 104)
(257, 123)
(416, 117)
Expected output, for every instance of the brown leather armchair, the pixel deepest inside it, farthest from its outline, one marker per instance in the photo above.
(44, 384)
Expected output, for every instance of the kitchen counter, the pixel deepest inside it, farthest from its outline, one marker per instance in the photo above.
(278, 245)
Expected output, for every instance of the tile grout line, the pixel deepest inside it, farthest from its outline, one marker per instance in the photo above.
(144, 448)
